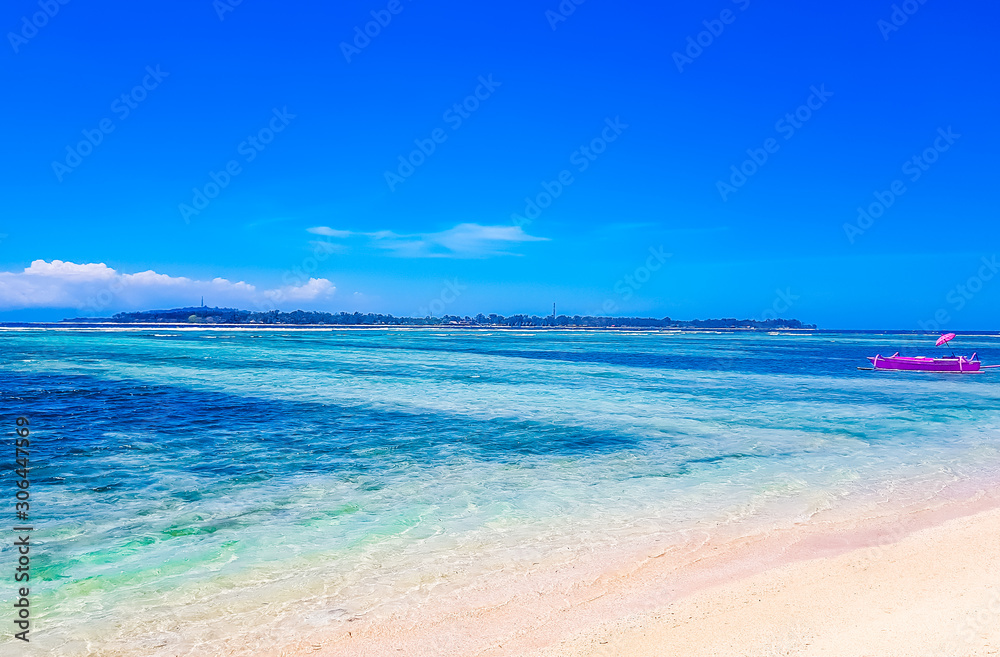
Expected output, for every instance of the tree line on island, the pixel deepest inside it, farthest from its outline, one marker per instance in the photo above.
(204, 315)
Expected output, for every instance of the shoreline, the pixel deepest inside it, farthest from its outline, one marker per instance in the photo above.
(635, 607)
(776, 592)
(934, 592)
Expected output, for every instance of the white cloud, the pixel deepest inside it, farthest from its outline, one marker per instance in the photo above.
(95, 288)
(328, 232)
(463, 241)
(315, 288)
(70, 271)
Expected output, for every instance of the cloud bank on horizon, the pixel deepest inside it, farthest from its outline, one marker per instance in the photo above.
(95, 288)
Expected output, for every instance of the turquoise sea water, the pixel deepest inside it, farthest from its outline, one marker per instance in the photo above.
(183, 476)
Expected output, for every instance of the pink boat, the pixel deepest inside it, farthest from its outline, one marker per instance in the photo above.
(925, 364)
(951, 363)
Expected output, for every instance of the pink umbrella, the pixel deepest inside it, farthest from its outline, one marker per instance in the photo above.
(947, 337)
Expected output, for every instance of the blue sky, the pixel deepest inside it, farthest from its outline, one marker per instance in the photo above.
(633, 121)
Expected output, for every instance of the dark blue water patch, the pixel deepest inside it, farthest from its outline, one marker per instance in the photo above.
(710, 354)
(776, 361)
(739, 357)
(85, 428)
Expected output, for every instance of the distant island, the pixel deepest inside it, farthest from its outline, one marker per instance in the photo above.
(205, 315)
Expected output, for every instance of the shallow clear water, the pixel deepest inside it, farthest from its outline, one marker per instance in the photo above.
(182, 475)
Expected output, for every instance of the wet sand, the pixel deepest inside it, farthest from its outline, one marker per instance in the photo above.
(935, 592)
(923, 583)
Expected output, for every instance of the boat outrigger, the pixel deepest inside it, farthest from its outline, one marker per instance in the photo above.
(951, 363)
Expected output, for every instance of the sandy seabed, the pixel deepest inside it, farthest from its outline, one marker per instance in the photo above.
(926, 583)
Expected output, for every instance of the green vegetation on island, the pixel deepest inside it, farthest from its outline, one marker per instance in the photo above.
(205, 315)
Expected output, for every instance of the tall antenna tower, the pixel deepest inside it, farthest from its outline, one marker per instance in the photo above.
(553, 310)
